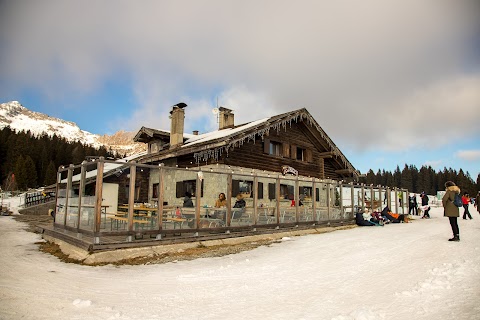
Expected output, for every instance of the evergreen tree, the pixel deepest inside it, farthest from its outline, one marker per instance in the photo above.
(20, 173)
(50, 175)
(407, 178)
(31, 173)
(378, 178)
(370, 179)
(397, 177)
(389, 181)
(414, 172)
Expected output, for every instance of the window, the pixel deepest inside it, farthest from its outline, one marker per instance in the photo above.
(301, 154)
(246, 188)
(156, 190)
(136, 195)
(305, 192)
(275, 148)
(187, 185)
(286, 191)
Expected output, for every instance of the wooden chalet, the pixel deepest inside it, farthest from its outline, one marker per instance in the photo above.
(286, 169)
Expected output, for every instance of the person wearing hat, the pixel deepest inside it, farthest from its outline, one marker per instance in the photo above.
(450, 209)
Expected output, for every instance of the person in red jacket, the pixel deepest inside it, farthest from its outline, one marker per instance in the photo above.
(466, 202)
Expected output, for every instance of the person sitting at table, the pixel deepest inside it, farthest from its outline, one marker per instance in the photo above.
(187, 201)
(240, 202)
(221, 202)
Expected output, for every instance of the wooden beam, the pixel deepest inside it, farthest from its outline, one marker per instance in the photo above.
(328, 154)
(344, 171)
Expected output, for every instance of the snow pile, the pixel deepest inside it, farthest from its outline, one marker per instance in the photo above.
(400, 271)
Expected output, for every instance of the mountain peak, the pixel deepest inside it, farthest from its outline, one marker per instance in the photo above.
(19, 118)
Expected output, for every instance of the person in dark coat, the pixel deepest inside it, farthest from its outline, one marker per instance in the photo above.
(240, 202)
(187, 201)
(450, 209)
(426, 207)
(361, 221)
(412, 204)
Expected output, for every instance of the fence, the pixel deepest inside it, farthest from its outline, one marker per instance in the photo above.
(103, 198)
(35, 198)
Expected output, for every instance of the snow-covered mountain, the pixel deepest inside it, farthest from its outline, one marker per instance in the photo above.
(19, 118)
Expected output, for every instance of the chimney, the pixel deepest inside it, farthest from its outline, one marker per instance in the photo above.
(176, 130)
(225, 118)
(195, 132)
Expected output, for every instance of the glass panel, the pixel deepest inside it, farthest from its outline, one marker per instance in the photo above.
(61, 200)
(242, 200)
(288, 200)
(335, 212)
(267, 204)
(322, 206)
(306, 195)
(73, 204)
(358, 204)
(116, 198)
(87, 196)
(347, 201)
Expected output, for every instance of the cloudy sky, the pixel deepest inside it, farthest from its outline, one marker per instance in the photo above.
(391, 82)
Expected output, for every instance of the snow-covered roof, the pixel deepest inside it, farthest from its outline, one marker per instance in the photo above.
(109, 167)
(218, 134)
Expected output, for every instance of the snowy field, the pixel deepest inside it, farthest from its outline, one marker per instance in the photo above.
(400, 271)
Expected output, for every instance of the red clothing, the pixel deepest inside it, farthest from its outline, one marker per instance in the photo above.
(465, 200)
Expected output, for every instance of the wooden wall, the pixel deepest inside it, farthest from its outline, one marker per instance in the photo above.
(253, 155)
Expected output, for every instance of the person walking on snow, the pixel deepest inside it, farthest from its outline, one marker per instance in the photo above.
(450, 209)
(466, 203)
(412, 204)
(425, 206)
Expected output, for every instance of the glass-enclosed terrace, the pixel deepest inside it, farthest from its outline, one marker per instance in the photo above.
(106, 201)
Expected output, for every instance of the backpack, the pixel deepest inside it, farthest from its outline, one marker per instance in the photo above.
(458, 200)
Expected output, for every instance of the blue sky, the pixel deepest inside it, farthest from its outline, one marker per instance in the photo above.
(391, 82)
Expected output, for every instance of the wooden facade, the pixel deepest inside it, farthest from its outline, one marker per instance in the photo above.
(292, 139)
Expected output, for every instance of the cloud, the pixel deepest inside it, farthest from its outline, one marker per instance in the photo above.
(435, 164)
(468, 155)
(370, 77)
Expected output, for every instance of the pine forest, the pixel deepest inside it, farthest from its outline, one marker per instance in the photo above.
(27, 162)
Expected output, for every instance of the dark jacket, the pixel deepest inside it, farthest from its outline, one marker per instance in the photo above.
(187, 202)
(412, 201)
(239, 204)
(424, 200)
(450, 210)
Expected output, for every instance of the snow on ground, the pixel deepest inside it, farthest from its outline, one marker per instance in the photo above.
(399, 271)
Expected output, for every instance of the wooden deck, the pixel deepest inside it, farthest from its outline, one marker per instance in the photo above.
(109, 241)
